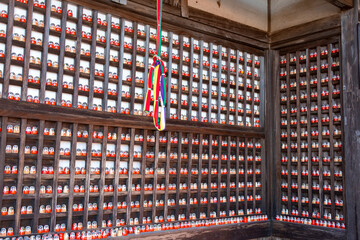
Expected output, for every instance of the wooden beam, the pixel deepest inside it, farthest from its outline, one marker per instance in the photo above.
(40, 111)
(309, 42)
(184, 8)
(342, 4)
(306, 32)
(123, 2)
(175, 3)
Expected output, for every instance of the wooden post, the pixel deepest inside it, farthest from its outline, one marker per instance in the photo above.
(272, 73)
(351, 111)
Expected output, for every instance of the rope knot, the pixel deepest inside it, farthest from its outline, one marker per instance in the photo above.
(156, 57)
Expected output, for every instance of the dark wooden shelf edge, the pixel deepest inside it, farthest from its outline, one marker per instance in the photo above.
(231, 231)
(41, 111)
(301, 231)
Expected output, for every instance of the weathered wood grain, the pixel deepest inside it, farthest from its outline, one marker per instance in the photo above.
(351, 112)
(301, 231)
(319, 29)
(342, 4)
(229, 232)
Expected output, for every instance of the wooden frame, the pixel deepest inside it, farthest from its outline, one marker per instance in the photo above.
(222, 59)
(74, 159)
(251, 70)
(300, 79)
(228, 43)
(294, 46)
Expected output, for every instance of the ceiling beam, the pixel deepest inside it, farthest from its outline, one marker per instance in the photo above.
(342, 4)
(185, 8)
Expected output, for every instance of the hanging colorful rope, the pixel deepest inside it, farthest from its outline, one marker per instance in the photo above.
(157, 80)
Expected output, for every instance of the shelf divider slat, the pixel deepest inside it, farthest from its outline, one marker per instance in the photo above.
(8, 47)
(143, 166)
(156, 164)
(72, 173)
(121, 65)
(178, 174)
(237, 175)
(209, 176)
(38, 173)
(219, 175)
(29, 17)
(133, 69)
(200, 85)
(188, 210)
(60, 75)
(320, 154)
(331, 129)
(166, 197)
(88, 171)
(45, 52)
(130, 175)
(20, 173)
(199, 181)
(4, 122)
(92, 60)
(56, 172)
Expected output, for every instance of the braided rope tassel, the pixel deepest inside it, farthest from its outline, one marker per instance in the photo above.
(148, 91)
(157, 81)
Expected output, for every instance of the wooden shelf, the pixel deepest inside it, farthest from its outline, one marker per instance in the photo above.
(295, 209)
(102, 180)
(116, 103)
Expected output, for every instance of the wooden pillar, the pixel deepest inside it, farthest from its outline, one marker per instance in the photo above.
(271, 121)
(351, 112)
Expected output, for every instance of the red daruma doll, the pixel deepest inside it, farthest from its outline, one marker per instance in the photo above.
(40, 229)
(49, 189)
(85, 134)
(13, 190)
(4, 211)
(23, 210)
(33, 150)
(80, 207)
(26, 190)
(10, 129)
(7, 169)
(28, 130)
(34, 130)
(48, 209)
(10, 232)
